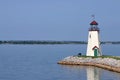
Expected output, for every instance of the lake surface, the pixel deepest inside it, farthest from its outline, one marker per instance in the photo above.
(39, 62)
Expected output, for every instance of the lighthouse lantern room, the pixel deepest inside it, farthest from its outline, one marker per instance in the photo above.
(93, 46)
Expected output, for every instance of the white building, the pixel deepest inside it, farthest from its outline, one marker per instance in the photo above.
(93, 47)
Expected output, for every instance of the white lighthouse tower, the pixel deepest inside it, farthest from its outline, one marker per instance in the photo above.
(93, 47)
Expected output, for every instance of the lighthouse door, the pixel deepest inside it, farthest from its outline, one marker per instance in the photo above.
(95, 52)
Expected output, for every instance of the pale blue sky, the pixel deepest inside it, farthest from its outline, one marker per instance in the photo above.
(58, 19)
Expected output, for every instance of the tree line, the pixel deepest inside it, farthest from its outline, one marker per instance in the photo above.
(52, 42)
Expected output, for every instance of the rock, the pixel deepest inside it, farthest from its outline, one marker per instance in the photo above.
(106, 63)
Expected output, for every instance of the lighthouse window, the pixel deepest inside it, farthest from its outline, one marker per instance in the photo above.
(90, 35)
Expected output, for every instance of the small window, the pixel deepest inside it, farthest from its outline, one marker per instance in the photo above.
(90, 36)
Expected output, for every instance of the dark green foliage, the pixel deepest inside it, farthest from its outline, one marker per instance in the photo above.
(52, 42)
(42, 42)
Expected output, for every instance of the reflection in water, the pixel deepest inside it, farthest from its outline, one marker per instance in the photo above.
(89, 73)
(93, 73)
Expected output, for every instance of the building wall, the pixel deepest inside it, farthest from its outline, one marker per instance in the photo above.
(93, 40)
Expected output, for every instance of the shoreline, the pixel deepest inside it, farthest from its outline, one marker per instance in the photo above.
(105, 63)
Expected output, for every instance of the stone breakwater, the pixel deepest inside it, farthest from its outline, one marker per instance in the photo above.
(106, 63)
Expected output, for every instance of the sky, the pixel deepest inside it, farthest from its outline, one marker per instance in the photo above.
(59, 20)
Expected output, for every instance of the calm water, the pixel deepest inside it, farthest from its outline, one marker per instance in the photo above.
(39, 62)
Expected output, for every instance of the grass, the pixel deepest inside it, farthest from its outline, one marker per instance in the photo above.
(103, 56)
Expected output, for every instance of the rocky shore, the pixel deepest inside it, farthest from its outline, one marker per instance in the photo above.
(106, 63)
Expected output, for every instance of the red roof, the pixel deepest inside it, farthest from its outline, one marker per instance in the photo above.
(94, 23)
(95, 47)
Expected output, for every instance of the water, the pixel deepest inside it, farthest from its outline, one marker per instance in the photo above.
(39, 62)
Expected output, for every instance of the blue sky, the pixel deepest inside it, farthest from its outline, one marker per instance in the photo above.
(58, 19)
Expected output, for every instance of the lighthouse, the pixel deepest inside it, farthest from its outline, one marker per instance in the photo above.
(93, 46)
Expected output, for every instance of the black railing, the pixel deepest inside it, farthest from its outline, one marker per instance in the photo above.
(94, 29)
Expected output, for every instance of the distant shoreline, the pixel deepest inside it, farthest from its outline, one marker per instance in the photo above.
(105, 63)
(51, 42)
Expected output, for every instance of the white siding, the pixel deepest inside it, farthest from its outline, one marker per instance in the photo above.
(93, 40)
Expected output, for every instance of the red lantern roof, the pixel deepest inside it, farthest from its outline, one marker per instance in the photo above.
(94, 23)
(95, 47)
